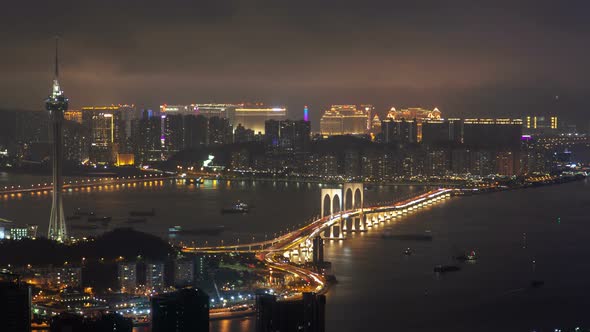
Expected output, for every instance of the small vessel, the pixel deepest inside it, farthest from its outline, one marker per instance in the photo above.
(470, 256)
(81, 212)
(103, 219)
(74, 217)
(136, 220)
(175, 229)
(238, 207)
(408, 251)
(446, 268)
(537, 283)
(149, 213)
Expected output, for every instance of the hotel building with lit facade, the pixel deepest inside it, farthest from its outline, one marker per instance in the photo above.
(414, 114)
(253, 117)
(540, 124)
(346, 120)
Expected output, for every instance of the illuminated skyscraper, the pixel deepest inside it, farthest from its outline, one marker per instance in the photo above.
(106, 126)
(305, 114)
(56, 104)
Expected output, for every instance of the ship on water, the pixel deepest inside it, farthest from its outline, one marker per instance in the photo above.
(238, 207)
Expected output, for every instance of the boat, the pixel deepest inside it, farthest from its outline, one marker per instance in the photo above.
(103, 219)
(446, 268)
(470, 256)
(136, 220)
(537, 283)
(175, 229)
(74, 217)
(408, 251)
(81, 212)
(149, 213)
(238, 207)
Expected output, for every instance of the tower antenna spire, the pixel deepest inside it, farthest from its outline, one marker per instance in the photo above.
(56, 57)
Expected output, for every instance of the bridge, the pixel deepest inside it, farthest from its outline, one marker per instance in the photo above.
(342, 213)
(81, 183)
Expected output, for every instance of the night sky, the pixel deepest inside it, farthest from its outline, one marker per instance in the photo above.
(466, 57)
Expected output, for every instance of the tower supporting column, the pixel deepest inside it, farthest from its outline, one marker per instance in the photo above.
(56, 104)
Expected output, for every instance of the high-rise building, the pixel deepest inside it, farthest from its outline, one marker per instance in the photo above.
(301, 138)
(154, 276)
(56, 104)
(75, 141)
(172, 138)
(442, 131)
(306, 315)
(272, 133)
(369, 110)
(19, 233)
(254, 117)
(416, 114)
(127, 276)
(107, 127)
(180, 311)
(219, 131)
(73, 115)
(376, 124)
(219, 110)
(243, 135)
(288, 135)
(195, 131)
(146, 136)
(540, 124)
(15, 306)
(67, 276)
(320, 164)
(399, 131)
(344, 120)
(184, 272)
(493, 133)
(176, 109)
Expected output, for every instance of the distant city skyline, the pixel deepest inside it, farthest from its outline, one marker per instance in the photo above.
(459, 58)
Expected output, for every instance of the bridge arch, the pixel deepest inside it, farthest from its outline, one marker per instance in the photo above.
(331, 201)
(336, 206)
(357, 195)
(348, 198)
(326, 205)
(358, 199)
